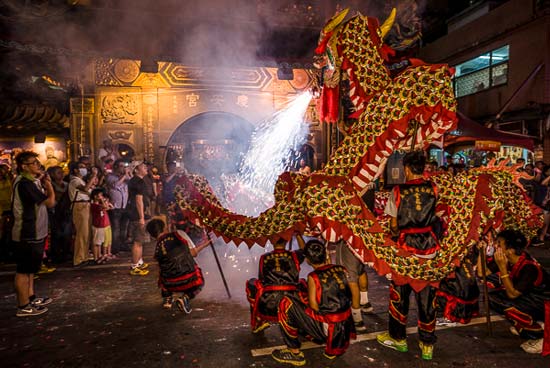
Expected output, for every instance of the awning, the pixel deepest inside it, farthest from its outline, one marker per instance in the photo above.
(469, 131)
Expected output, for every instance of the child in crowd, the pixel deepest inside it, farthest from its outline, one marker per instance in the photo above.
(108, 165)
(179, 273)
(101, 226)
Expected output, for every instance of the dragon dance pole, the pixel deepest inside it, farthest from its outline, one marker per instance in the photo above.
(486, 289)
(219, 266)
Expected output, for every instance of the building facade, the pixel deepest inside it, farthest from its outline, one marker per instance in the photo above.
(501, 52)
(183, 112)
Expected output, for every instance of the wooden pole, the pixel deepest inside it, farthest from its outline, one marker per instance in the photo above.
(486, 289)
(219, 266)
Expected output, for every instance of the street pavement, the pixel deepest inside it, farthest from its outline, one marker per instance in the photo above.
(103, 317)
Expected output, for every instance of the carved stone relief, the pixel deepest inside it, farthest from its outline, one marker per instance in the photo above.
(103, 74)
(126, 70)
(119, 109)
(121, 135)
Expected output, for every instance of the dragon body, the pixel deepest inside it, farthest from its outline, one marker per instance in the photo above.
(409, 109)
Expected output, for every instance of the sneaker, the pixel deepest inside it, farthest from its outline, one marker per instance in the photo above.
(45, 269)
(427, 350)
(537, 243)
(30, 310)
(184, 304)
(262, 326)
(367, 308)
(360, 326)
(532, 346)
(287, 356)
(329, 356)
(136, 271)
(514, 331)
(143, 266)
(444, 322)
(167, 302)
(42, 301)
(388, 341)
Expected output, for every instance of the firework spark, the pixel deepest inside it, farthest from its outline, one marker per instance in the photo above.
(272, 147)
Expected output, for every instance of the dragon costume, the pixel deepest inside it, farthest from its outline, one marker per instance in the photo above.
(392, 111)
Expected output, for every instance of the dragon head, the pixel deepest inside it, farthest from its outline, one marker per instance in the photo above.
(354, 47)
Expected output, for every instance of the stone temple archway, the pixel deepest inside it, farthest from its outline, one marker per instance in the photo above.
(210, 144)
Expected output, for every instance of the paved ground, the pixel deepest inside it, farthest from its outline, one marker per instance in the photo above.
(103, 317)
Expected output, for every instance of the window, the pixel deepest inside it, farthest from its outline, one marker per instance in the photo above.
(482, 72)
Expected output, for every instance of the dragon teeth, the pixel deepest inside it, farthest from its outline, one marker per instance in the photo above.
(399, 133)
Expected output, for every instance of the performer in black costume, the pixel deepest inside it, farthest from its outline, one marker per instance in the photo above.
(325, 319)
(458, 296)
(413, 220)
(179, 273)
(519, 288)
(278, 275)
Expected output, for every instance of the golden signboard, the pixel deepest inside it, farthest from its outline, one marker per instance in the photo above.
(487, 146)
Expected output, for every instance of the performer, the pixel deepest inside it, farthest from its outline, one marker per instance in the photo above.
(278, 275)
(179, 273)
(520, 286)
(413, 220)
(327, 316)
(458, 296)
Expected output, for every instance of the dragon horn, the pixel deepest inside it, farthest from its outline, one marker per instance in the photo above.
(335, 21)
(385, 28)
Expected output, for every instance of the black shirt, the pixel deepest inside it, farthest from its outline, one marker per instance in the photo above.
(136, 186)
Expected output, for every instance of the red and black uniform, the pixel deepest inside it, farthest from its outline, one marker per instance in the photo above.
(416, 221)
(278, 275)
(178, 270)
(332, 324)
(458, 296)
(533, 282)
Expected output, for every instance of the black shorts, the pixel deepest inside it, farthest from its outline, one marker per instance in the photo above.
(28, 255)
